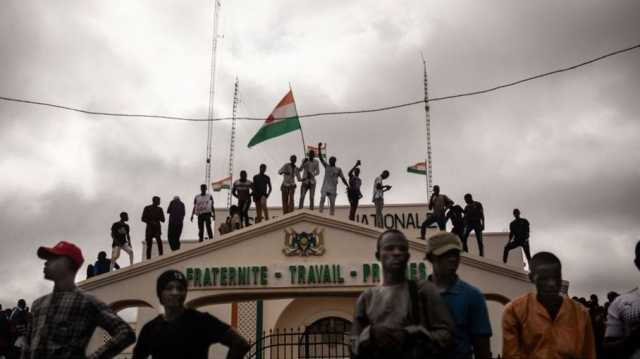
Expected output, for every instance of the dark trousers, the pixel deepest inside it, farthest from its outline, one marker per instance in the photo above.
(477, 228)
(353, 202)
(173, 234)
(203, 219)
(524, 243)
(244, 206)
(441, 220)
(148, 238)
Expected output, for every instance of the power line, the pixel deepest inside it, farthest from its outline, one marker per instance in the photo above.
(334, 113)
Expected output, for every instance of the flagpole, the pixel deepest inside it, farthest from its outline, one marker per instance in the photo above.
(304, 146)
(427, 165)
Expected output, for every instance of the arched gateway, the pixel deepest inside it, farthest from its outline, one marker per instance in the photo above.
(294, 271)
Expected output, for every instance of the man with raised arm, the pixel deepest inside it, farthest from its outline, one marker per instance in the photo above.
(330, 183)
(309, 169)
(354, 190)
(378, 197)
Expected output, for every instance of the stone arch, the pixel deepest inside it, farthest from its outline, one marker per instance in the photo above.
(302, 312)
(129, 303)
(239, 296)
(497, 298)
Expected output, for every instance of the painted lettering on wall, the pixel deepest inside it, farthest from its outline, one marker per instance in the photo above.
(294, 275)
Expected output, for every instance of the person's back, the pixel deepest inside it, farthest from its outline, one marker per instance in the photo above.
(457, 220)
(260, 182)
(473, 212)
(520, 228)
(101, 266)
(176, 210)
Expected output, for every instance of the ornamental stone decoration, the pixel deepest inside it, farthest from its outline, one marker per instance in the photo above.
(303, 244)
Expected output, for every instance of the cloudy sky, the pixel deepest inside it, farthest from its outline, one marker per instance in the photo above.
(563, 149)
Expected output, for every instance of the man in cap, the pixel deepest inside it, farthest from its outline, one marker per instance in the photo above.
(401, 316)
(465, 302)
(64, 321)
(181, 332)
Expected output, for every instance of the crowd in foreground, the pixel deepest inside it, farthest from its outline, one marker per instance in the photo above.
(442, 317)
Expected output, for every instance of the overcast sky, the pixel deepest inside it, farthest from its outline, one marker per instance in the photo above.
(563, 149)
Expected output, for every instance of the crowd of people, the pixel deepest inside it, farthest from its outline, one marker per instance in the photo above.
(444, 316)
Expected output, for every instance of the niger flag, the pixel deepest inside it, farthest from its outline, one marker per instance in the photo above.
(283, 119)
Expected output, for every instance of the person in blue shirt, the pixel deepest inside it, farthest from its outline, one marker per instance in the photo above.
(466, 303)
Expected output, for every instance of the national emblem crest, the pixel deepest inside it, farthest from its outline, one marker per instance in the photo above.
(303, 244)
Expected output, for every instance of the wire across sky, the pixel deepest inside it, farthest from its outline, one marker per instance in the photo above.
(332, 113)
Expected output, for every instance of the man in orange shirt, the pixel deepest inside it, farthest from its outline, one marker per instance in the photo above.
(546, 324)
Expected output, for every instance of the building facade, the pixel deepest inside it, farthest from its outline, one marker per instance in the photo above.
(302, 273)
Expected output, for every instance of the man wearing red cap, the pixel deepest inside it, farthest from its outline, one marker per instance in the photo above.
(64, 321)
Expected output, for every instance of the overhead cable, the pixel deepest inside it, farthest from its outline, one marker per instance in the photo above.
(332, 113)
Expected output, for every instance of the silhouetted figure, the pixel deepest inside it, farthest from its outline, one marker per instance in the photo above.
(90, 271)
(65, 320)
(438, 204)
(235, 219)
(330, 184)
(203, 208)
(121, 239)
(353, 190)
(103, 264)
(598, 318)
(466, 303)
(289, 173)
(153, 216)
(611, 296)
(518, 236)
(19, 319)
(546, 324)
(309, 169)
(456, 215)
(182, 332)
(378, 197)
(261, 191)
(401, 318)
(6, 342)
(176, 212)
(242, 191)
(622, 336)
(473, 221)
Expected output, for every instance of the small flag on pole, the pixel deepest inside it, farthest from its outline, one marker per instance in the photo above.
(314, 149)
(283, 119)
(221, 184)
(419, 168)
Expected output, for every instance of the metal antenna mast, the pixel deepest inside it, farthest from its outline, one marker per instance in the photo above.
(232, 142)
(428, 163)
(212, 91)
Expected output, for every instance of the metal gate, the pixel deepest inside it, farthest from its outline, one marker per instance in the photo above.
(298, 343)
